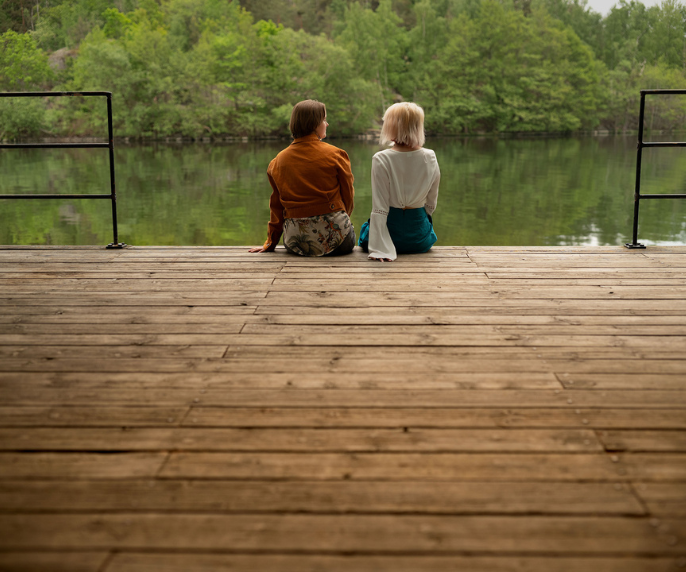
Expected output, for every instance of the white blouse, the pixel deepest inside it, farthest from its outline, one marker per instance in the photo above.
(404, 180)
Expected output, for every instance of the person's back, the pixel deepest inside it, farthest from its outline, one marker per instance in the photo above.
(312, 190)
(308, 174)
(405, 181)
(409, 174)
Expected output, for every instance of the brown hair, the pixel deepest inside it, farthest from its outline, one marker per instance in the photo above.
(306, 117)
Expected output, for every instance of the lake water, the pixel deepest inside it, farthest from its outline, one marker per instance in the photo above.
(563, 191)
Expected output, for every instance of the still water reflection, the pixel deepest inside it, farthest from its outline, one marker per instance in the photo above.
(566, 191)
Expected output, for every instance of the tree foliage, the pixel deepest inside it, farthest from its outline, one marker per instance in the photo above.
(212, 68)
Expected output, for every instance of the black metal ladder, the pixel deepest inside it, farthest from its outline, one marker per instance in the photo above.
(641, 144)
(110, 145)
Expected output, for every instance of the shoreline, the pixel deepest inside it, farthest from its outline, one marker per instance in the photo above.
(361, 137)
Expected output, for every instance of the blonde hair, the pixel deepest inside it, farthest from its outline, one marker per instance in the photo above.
(403, 123)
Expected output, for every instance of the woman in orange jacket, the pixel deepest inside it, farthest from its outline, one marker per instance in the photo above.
(312, 190)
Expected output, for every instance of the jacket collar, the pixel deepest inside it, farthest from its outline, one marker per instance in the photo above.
(307, 139)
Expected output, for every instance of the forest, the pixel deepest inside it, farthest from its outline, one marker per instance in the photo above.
(224, 68)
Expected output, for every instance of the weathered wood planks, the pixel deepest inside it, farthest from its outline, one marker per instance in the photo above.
(474, 408)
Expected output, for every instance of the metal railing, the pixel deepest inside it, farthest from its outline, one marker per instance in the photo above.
(641, 144)
(110, 145)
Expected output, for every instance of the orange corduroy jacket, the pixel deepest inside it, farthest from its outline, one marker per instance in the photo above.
(308, 178)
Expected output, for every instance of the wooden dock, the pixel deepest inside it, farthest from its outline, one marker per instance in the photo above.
(475, 409)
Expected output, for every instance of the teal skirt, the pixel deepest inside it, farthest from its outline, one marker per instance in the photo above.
(411, 231)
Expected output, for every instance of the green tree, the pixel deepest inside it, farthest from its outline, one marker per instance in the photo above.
(586, 23)
(626, 29)
(667, 42)
(23, 67)
(425, 40)
(377, 44)
(505, 72)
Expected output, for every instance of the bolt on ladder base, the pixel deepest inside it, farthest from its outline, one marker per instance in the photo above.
(635, 245)
(117, 245)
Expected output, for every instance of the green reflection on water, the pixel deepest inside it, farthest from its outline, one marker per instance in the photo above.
(493, 192)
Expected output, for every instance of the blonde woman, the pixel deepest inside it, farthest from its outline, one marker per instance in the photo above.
(405, 181)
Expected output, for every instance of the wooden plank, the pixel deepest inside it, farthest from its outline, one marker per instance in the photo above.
(428, 398)
(429, 467)
(433, 356)
(54, 561)
(421, 284)
(65, 255)
(502, 268)
(303, 440)
(190, 255)
(36, 275)
(133, 317)
(107, 416)
(433, 318)
(66, 329)
(161, 315)
(358, 257)
(111, 351)
(651, 466)
(450, 331)
(478, 467)
(570, 249)
(671, 280)
(181, 311)
(488, 293)
(643, 440)
(480, 306)
(354, 398)
(461, 274)
(80, 466)
(595, 262)
(623, 381)
(464, 338)
(555, 253)
(537, 276)
(437, 417)
(678, 254)
(359, 364)
(199, 562)
(372, 285)
(142, 380)
(149, 269)
(122, 284)
(121, 339)
(663, 499)
(319, 497)
(112, 299)
(66, 292)
(342, 533)
(455, 288)
(91, 416)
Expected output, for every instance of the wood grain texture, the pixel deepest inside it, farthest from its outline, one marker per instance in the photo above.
(54, 561)
(500, 409)
(426, 534)
(128, 562)
(297, 440)
(363, 497)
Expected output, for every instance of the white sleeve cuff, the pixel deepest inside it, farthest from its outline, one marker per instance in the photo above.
(380, 243)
